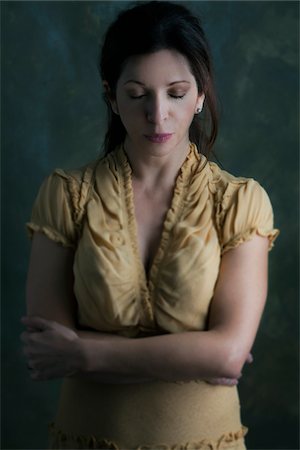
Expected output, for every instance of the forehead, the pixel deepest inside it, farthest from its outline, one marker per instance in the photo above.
(161, 67)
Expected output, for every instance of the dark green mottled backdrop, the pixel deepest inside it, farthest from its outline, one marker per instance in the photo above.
(53, 116)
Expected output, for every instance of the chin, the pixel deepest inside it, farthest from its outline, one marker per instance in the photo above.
(159, 149)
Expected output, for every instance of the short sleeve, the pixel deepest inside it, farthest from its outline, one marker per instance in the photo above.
(52, 212)
(247, 211)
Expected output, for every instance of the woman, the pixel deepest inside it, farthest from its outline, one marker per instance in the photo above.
(148, 270)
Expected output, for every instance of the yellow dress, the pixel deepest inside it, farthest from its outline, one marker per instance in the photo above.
(92, 211)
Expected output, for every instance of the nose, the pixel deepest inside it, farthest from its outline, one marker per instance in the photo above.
(156, 110)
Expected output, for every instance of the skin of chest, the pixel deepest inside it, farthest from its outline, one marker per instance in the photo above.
(150, 208)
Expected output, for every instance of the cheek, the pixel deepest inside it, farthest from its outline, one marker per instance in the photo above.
(131, 117)
(186, 112)
(129, 110)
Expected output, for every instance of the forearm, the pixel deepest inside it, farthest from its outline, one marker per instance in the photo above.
(106, 376)
(172, 357)
(99, 336)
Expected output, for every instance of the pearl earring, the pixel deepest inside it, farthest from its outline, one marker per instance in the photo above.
(198, 110)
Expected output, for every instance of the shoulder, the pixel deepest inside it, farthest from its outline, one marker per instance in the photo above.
(224, 182)
(231, 190)
(75, 176)
(242, 208)
(76, 184)
(62, 199)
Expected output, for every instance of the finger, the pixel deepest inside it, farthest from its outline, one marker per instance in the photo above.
(28, 337)
(37, 323)
(24, 337)
(249, 358)
(229, 381)
(38, 376)
(224, 381)
(32, 330)
(232, 381)
(42, 375)
(35, 375)
(31, 357)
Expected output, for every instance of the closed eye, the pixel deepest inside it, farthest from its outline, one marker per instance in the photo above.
(177, 96)
(136, 97)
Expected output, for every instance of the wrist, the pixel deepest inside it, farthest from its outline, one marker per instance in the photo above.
(92, 356)
(82, 356)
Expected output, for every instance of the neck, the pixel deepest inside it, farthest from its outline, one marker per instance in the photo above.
(153, 170)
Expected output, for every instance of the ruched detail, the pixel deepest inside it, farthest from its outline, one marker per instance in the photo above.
(60, 205)
(146, 313)
(240, 225)
(92, 210)
(243, 209)
(62, 440)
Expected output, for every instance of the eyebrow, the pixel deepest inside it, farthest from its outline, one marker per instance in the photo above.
(170, 84)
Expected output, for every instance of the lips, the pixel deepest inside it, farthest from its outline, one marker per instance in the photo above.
(159, 138)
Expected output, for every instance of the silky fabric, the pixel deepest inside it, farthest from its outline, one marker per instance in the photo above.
(92, 211)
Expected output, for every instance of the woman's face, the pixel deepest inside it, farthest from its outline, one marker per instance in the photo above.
(156, 98)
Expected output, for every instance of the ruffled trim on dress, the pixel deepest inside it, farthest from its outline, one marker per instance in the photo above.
(129, 201)
(61, 440)
(224, 191)
(79, 188)
(247, 235)
(49, 232)
(178, 201)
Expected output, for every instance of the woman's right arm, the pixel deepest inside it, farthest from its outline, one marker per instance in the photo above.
(49, 289)
(50, 296)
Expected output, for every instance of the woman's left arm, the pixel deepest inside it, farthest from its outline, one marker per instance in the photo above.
(235, 314)
(221, 351)
(240, 296)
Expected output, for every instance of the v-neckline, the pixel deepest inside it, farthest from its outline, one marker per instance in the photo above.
(182, 181)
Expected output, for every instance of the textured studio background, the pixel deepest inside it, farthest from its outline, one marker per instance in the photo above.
(53, 116)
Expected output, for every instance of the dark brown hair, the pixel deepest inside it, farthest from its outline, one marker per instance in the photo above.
(148, 27)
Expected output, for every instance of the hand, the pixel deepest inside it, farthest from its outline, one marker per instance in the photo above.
(52, 349)
(228, 381)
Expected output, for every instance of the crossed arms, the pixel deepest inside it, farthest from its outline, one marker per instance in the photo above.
(55, 347)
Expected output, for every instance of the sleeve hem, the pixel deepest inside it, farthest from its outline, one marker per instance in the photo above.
(49, 232)
(247, 235)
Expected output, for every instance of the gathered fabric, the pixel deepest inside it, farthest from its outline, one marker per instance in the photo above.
(61, 440)
(91, 210)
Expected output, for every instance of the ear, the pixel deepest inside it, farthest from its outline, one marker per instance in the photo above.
(200, 102)
(111, 98)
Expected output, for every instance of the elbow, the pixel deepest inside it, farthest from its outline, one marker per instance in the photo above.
(232, 363)
(232, 370)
